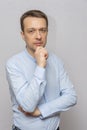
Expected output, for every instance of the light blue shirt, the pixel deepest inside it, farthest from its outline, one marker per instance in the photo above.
(31, 86)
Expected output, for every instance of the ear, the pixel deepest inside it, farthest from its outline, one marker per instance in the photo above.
(22, 34)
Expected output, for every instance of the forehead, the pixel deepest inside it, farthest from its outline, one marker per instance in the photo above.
(34, 22)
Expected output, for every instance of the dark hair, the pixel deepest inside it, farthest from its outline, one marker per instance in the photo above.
(33, 13)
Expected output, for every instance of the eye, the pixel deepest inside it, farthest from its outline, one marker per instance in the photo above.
(43, 30)
(31, 31)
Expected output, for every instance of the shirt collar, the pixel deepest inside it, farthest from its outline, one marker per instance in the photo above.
(29, 55)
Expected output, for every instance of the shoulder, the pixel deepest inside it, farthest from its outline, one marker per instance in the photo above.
(14, 60)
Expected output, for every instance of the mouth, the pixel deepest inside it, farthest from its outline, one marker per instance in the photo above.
(38, 43)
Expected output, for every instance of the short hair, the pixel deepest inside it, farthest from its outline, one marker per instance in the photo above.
(33, 13)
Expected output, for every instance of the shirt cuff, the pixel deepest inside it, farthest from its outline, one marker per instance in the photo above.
(44, 109)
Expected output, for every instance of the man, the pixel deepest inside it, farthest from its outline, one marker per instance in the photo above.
(40, 87)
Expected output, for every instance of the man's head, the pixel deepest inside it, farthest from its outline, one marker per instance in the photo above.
(34, 26)
(33, 13)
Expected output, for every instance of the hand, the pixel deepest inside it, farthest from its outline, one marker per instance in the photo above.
(36, 113)
(41, 56)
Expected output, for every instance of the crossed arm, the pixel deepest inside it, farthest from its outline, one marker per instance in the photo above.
(30, 106)
(35, 113)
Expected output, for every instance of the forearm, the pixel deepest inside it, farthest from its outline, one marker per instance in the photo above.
(33, 92)
(60, 104)
(53, 107)
(35, 113)
(37, 86)
(27, 93)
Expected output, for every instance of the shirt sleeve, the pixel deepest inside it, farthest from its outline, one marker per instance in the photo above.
(66, 99)
(27, 94)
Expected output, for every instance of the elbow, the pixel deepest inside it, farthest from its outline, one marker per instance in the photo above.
(73, 97)
(74, 100)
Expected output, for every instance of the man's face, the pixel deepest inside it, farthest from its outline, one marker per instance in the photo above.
(35, 33)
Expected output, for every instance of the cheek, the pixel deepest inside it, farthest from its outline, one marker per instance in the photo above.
(45, 37)
(28, 38)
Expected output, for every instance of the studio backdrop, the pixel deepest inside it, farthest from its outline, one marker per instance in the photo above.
(67, 38)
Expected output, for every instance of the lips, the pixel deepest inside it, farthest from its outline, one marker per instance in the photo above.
(38, 43)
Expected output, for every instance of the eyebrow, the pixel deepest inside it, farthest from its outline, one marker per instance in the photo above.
(38, 28)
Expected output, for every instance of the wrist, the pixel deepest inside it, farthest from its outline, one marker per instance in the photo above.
(36, 113)
(41, 65)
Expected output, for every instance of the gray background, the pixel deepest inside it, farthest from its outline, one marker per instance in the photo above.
(67, 38)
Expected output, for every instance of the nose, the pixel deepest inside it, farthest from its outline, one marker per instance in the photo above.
(38, 34)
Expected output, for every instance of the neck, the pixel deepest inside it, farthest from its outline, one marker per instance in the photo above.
(30, 52)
